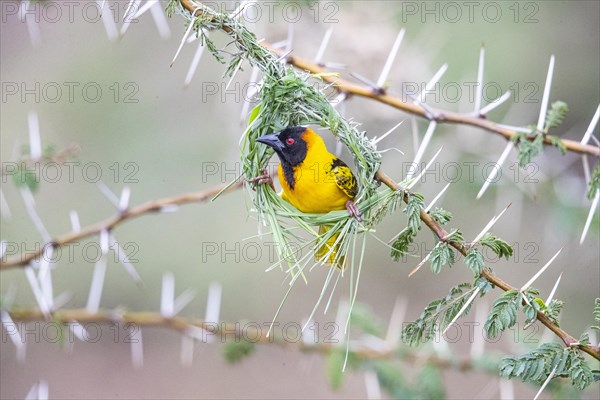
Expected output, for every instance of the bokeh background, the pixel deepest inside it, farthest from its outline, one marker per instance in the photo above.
(175, 139)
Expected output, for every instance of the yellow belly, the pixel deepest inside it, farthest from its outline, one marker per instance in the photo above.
(315, 191)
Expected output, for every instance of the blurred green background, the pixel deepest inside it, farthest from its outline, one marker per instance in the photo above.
(173, 139)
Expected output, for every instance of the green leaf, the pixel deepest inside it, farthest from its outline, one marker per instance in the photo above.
(528, 149)
(401, 245)
(597, 314)
(558, 143)
(364, 318)
(441, 216)
(552, 310)
(430, 383)
(474, 261)
(441, 312)
(26, 177)
(253, 114)
(584, 339)
(503, 314)
(441, 255)
(335, 364)
(594, 184)
(413, 210)
(498, 246)
(235, 352)
(391, 380)
(555, 115)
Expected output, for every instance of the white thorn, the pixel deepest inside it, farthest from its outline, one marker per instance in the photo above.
(507, 390)
(239, 11)
(478, 345)
(33, 215)
(186, 34)
(418, 177)
(436, 198)
(252, 90)
(546, 95)
(494, 104)
(438, 75)
(590, 216)
(2, 247)
(237, 69)
(479, 93)
(108, 193)
(509, 146)
(415, 134)
(545, 382)
(160, 20)
(125, 260)
(4, 208)
(489, 225)
(423, 146)
(541, 271)
(372, 385)
(323, 45)
(213, 303)
(183, 300)
(591, 127)
(32, 26)
(423, 261)
(74, 217)
(377, 140)
(109, 23)
(186, 356)
(549, 299)
(586, 167)
(290, 38)
(390, 60)
(516, 128)
(137, 347)
(37, 292)
(195, 62)
(395, 325)
(463, 308)
(124, 200)
(128, 18)
(15, 335)
(145, 7)
(95, 294)
(35, 140)
(167, 295)
(104, 241)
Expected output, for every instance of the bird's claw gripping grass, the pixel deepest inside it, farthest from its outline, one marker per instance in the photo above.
(353, 210)
(265, 178)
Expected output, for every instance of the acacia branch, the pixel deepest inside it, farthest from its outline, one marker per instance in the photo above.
(108, 224)
(441, 116)
(225, 332)
(441, 234)
(380, 95)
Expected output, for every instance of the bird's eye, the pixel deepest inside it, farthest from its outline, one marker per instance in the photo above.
(290, 141)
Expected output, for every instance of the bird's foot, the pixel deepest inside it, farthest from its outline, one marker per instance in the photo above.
(265, 178)
(353, 210)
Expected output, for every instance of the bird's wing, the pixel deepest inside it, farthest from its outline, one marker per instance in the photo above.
(344, 178)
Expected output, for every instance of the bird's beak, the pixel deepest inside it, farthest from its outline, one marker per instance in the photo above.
(271, 140)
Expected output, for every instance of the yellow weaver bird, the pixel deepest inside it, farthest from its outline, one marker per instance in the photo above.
(313, 180)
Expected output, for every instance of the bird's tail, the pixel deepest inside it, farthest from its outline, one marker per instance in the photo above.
(325, 252)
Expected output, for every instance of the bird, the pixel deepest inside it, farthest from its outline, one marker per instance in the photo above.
(312, 179)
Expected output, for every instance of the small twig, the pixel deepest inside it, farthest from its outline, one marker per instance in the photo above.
(110, 223)
(486, 273)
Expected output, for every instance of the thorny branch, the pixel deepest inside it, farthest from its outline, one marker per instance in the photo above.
(110, 223)
(445, 116)
(183, 325)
